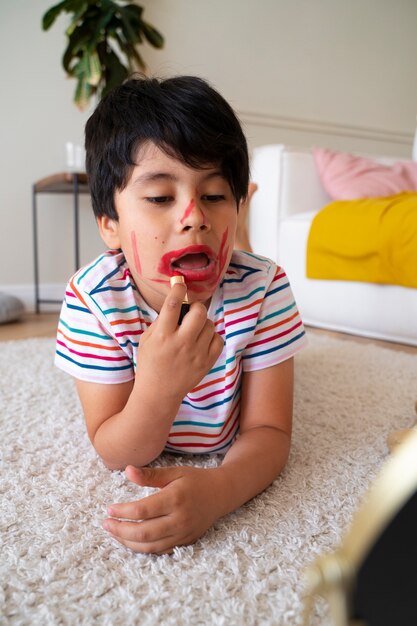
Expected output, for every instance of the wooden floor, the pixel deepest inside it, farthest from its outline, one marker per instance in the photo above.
(44, 325)
(30, 325)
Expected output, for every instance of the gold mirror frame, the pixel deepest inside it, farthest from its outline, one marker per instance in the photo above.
(332, 576)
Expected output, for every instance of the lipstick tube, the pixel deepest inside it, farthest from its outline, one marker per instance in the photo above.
(185, 306)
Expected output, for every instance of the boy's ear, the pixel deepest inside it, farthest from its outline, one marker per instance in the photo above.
(109, 231)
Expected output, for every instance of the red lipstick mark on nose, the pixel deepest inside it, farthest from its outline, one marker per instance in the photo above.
(188, 211)
(135, 253)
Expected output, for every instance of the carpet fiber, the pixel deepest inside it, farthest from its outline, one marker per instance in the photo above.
(57, 566)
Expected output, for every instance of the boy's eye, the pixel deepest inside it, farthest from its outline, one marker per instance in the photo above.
(213, 197)
(159, 199)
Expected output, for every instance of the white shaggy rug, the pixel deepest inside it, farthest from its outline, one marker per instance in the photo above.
(57, 566)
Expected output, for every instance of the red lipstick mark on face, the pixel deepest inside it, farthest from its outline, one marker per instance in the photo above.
(136, 259)
(224, 252)
(221, 261)
(187, 211)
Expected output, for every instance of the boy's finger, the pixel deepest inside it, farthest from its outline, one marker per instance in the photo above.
(158, 477)
(139, 532)
(171, 308)
(152, 506)
(163, 546)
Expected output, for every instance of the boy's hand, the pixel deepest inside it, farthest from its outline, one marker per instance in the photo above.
(186, 506)
(175, 358)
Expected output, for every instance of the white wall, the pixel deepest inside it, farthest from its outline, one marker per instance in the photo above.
(37, 118)
(325, 72)
(301, 71)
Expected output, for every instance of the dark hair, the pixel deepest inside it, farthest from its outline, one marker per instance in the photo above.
(183, 116)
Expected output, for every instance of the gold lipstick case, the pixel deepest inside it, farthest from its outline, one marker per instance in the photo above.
(185, 306)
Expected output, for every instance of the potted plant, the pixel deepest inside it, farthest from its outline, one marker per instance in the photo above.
(103, 36)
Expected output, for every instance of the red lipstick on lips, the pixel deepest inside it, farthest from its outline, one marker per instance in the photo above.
(186, 262)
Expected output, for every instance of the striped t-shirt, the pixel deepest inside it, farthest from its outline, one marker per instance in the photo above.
(103, 317)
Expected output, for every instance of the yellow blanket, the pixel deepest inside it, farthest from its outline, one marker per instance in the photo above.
(371, 239)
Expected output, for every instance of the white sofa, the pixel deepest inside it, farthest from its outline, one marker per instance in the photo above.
(289, 195)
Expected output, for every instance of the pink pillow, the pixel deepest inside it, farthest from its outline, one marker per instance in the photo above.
(347, 177)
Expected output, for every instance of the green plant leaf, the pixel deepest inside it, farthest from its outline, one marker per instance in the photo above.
(100, 27)
(78, 71)
(130, 34)
(135, 20)
(68, 6)
(130, 53)
(94, 68)
(77, 16)
(133, 53)
(152, 35)
(115, 72)
(52, 13)
(88, 67)
(78, 41)
(135, 12)
(83, 93)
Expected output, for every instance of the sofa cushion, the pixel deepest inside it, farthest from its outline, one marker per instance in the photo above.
(11, 308)
(346, 176)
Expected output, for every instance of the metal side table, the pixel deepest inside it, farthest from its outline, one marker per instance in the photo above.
(64, 183)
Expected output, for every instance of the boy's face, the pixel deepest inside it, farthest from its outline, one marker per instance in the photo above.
(173, 219)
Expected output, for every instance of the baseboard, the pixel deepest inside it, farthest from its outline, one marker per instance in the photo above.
(26, 293)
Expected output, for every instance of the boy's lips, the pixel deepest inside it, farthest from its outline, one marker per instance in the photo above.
(195, 263)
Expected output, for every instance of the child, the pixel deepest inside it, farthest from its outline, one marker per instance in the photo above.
(167, 164)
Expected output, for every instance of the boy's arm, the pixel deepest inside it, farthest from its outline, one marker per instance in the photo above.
(261, 451)
(191, 499)
(129, 423)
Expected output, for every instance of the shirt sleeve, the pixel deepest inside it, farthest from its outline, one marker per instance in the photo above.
(85, 347)
(279, 331)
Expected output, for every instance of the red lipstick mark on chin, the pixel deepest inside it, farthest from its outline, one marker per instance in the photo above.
(187, 211)
(135, 253)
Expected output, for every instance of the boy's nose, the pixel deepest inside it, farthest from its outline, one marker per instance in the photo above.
(193, 217)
